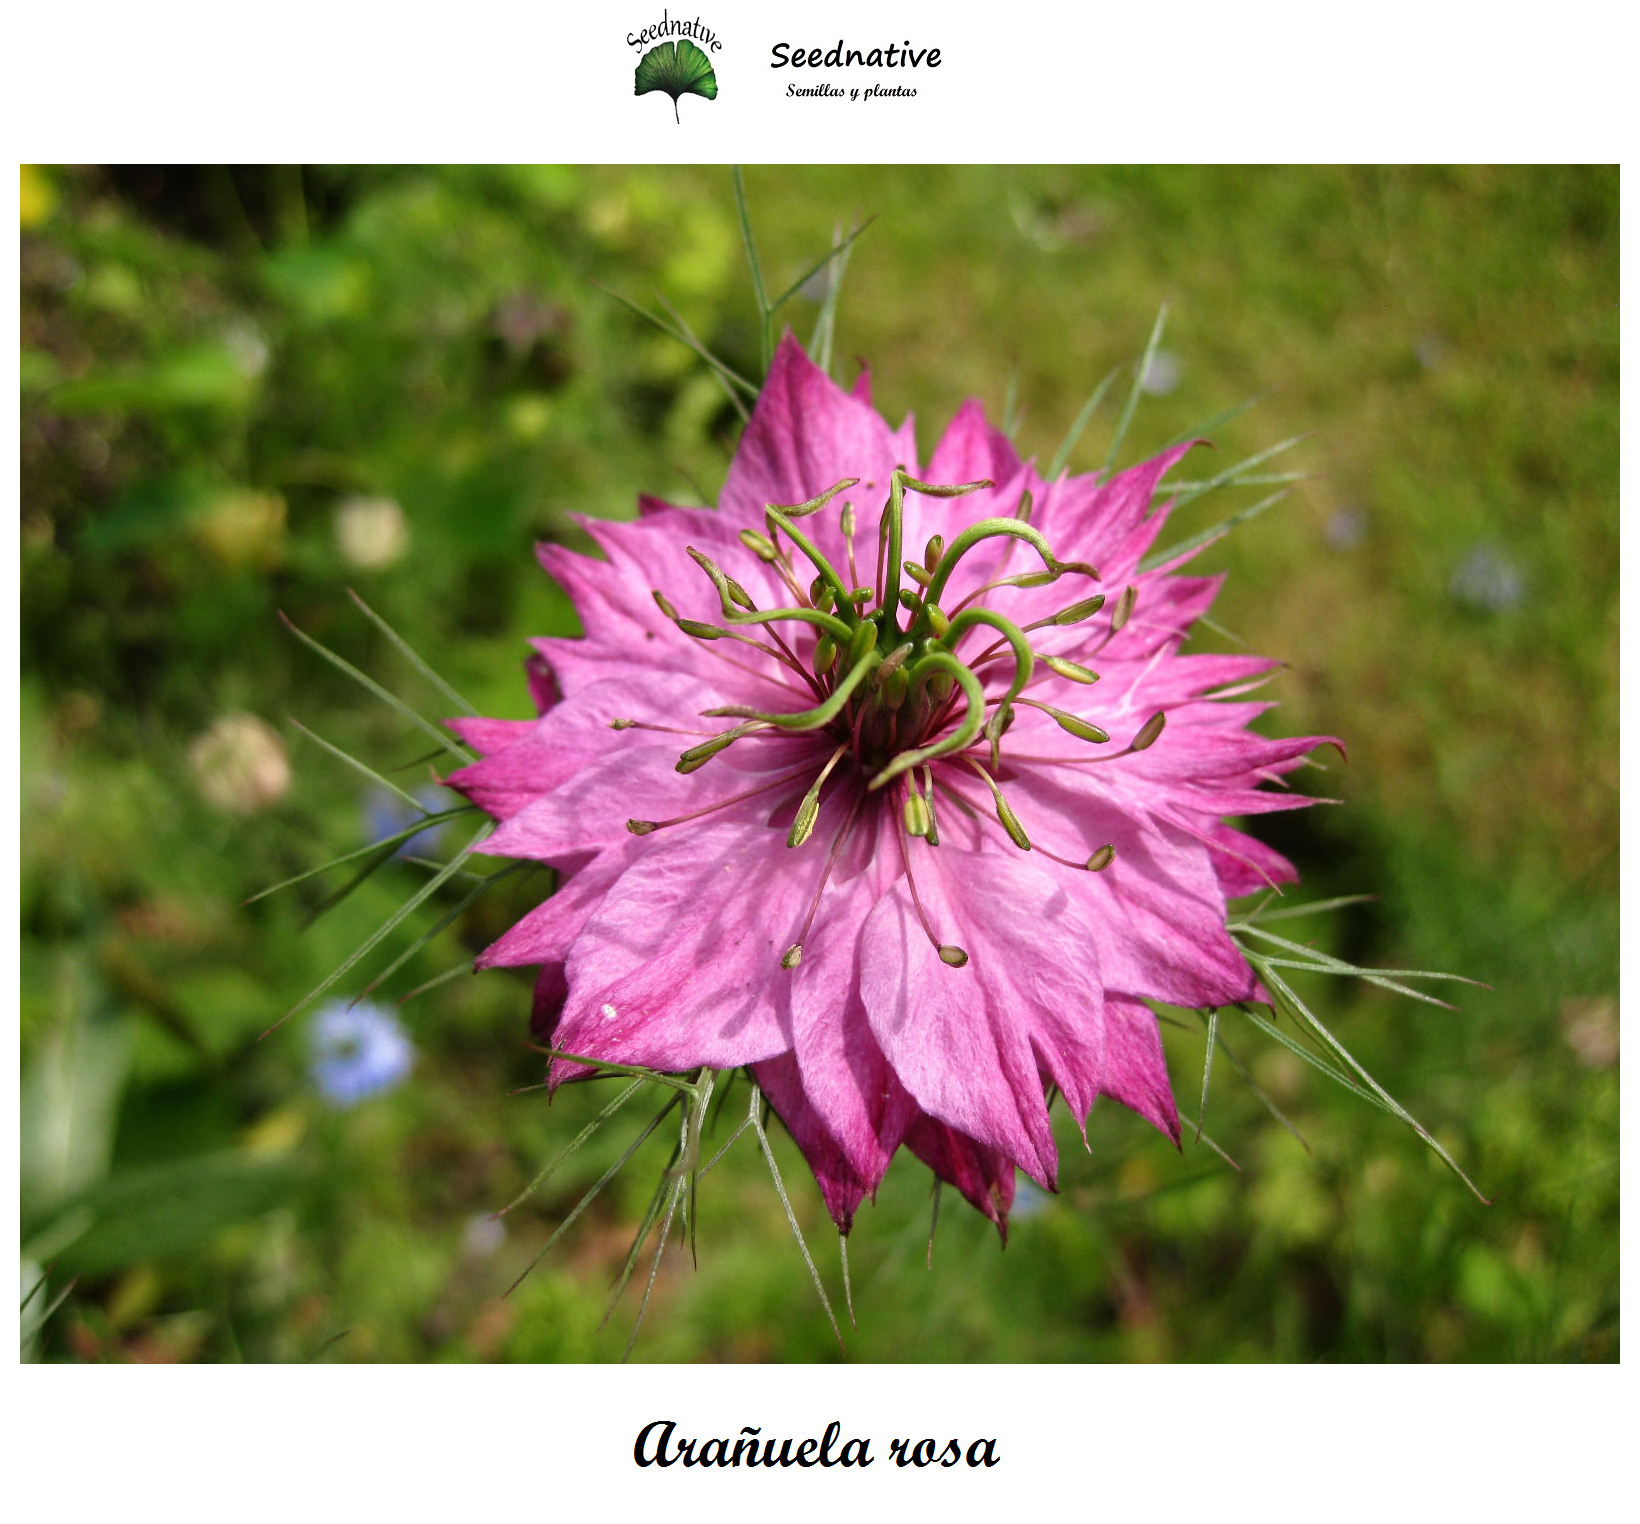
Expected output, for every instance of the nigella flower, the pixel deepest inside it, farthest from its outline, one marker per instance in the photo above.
(890, 782)
(385, 815)
(358, 1051)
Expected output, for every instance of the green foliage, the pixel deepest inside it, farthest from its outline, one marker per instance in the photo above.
(217, 364)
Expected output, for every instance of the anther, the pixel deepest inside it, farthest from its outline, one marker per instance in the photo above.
(825, 654)
(808, 811)
(1023, 511)
(1072, 670)
(1077, 612)
(663, 604)
(1073, 724)
(932, 834)
(994, 728)
(909, 599)
(622, 724)
(794, 954)
(1148, 732)
(698, 756)
(919, 574)
(1102, 859)
(738, 593)
(933, 551)
(894, 661)
(700, 631)
(863, 639)
(846, 519)
(953, 956)
(803, 827)
(938, 622)
(760, 545)
(1010, 821)
(1124, 608)
(916, 815)
(782, 780)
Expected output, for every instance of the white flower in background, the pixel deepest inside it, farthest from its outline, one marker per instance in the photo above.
(239, 764)
(371, 532)
(1162, 374)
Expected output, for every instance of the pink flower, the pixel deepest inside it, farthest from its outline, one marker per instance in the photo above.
(838, 796)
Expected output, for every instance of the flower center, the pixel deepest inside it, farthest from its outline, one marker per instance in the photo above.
(910, 719)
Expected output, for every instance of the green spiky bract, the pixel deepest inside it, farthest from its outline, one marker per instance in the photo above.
(678, 68)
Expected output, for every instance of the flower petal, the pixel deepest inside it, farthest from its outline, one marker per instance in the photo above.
(805, 435)
(983, 1175)
(969, 1043)
(845, 1076)
(840, 1186)
(679, 966)
(544, 754)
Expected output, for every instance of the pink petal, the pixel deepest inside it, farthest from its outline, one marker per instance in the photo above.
(545, 933)
(680, 964)
(1156, 914)
(1136, 1066)
(968, 1042)
(805, 435)
(840, 1187)
(544, 754)
(637, 780)
(983, 1175)
(486, 736)
(1083, 519)
(845, 1076)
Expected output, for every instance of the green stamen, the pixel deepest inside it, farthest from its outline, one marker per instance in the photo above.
(916, 815)
(809, 810)
(1072, 670)
(808, 719)
(988, 529)
(962, 736)
(698, 756)
(1010, 821)
(1082, 729)
(759, 545)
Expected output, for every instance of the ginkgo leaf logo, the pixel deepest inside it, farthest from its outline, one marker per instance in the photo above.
(678, 68)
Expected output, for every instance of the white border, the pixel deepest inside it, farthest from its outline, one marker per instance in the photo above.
(335, 81)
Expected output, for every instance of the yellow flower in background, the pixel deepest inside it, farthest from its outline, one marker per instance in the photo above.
(39, 196)
(243, 528)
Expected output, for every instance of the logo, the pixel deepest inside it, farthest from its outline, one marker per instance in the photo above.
(678, 68)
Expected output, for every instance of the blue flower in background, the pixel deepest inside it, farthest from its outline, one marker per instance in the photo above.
(358, 1051)
(1029, 1200)
(1488, 580)
(386, 814)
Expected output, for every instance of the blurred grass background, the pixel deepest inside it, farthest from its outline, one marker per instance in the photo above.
(246, 390)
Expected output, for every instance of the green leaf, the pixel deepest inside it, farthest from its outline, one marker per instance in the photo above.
(678, 68)
(172, 1209)
(1133, 395)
